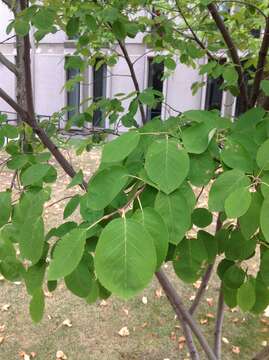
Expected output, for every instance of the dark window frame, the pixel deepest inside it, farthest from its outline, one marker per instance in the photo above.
(156, 84)
(99, 92)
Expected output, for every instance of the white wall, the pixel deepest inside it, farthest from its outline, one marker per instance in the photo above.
(49, 75)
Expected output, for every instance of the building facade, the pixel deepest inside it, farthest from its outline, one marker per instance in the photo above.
(49, 77)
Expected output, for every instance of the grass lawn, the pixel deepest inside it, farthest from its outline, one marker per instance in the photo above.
(154, 333)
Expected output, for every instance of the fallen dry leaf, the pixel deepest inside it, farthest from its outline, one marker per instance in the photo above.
(181, 339)
(2, 339)
(2, 328)
(61, 355)
(24, 355)
(210, 301)
(197, 284)
(264, 343)
(33, 354)
(144, 300)
(264, 330)
(124, 332)
(5, 307)
(236, 349)
(235, 320)
(264, 321)
(173, 336)
(210, 316)
(103, 303)
(126, 311)
(192, 297)
(67, 322)
(225, 340)
(48, 294)
(203, 321)
(144, 325)
(159, 293)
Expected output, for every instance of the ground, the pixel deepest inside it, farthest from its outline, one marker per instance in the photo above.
(92, 334)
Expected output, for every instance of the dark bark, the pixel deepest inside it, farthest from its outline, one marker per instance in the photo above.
(219, 325)
(178, 305)
(261, 64)
(233, 53)
(134, 78)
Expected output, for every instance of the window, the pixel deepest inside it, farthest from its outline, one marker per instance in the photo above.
(155, 80)
(73, 96)
(214, 94)
(99, 90)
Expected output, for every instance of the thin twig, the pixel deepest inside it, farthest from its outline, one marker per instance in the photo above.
(261, 64)
(176, 301)
(233, 53)
(195, 37)
(219, 325)
(134, 78)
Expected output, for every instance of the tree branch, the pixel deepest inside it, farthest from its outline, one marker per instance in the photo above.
(261, 64)
(233, 53)
(219, 324)
(8, 64)
(178, 305)
(195, 37)
(134, 78)
(46, 141)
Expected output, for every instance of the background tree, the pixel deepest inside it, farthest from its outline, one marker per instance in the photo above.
(140, 203)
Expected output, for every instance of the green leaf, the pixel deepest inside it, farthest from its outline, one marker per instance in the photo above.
(223, 186)
(246, 296)
(202, 169)
(9, 131)
(234, 277)
(265, 87)
(262, 156)
(236, 156)
(230, 296)
(125, 259)
(250, 221)
(34, 277)
(71, 206)
(197, 137)
(262, 296)
(154, 224)
(147, 97)
(67, 254)
(21, 27)
(238, 203)
(72, 27)
(170, 64)
(37, 305)
(264, 218)
(77, 180)
(17, 161)
(80, 280)
(264, 267)
(105, 185)
(118, 149)
(190, 254)
(88, 214)
(237, 247)
(210, 244)
(34, 174)
(119, 30)
(201, 217)
(31, 239)
(265, 185)
(176, 214)
(44, 18)
(230, 75)
(167, 164)
(5, 207)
